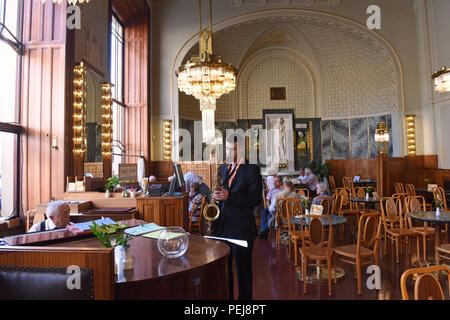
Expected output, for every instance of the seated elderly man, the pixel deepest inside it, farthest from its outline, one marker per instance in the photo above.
(288, 192)
(311, 180)
(58, 216)
(152, 179)
(270, 209)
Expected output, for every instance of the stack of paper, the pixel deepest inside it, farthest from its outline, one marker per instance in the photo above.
(143, 229)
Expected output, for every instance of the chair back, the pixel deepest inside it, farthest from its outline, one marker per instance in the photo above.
(290, 207)
(326, 203)
(415, 204)
(33, 217)
(410, 190)
(360, 192)
(283, 211)
(337, 203)
(439, 195)
(427, 286)
(369, 231)
(302, 192)
(332, 183)
(392, 213)
(345, 203)
(347, 182)
(315, 234)
(398, 186)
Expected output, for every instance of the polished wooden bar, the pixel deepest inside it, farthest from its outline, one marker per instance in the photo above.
(164, 211)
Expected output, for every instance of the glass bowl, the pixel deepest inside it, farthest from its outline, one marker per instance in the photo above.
(173, 242)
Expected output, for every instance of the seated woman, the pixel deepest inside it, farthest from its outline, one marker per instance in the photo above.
(197, 196)
(322, 191)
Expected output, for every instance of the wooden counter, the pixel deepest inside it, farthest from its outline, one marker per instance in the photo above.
(164, 211)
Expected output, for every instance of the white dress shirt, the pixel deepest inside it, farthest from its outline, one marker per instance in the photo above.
(49, 225)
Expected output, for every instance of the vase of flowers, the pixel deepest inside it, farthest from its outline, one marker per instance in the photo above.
(111, 184)
(306, 204)
(370, 191)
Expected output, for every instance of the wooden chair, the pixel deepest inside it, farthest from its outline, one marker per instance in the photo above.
(314, 246)
(332, 183)
(398, 186)
(427, 286)
(336, 205)
(395, 226)
(33, 217)
(347, 182)
(410, 190)
(282, 219)
(365, 251)
(439, 195)
(302, 192)
(326, 202)
(293, 207)
(416, 204)
(196, 221)
(347, 209)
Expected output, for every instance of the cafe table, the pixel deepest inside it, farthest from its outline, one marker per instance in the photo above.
(439, 222)
(321, 272)
(367, 202)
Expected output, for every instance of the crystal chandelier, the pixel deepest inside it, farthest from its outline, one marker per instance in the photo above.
(70, 2)
(206, 78)
(442, 80)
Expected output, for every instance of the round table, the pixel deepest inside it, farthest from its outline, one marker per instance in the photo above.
(321, 273)
(438, 221)
(366, 201)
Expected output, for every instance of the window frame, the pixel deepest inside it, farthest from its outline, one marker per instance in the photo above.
(15, 127)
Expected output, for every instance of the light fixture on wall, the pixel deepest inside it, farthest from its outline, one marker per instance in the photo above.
(167, 139)
(411, 134)
(207, 78)
(106, 120)
(79, 109)
(382, 138)
(442, 80)
(70, 2)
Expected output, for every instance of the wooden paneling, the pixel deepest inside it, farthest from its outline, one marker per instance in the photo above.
(164, 211)
(161, 169)
(43, 113)
(201, 168)
(351, 167)
(100, 260)
(127, 10)
(137, 128)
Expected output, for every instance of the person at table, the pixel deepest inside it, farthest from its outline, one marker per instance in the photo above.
(58, 217)
(204, 190)
(271, 179)
(267, 212)
(288, 192)
(240, 193)
(322, 191)
(195, 200)
(311, 181)
(302, 175)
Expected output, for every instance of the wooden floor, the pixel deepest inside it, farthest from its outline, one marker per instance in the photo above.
(274, 276)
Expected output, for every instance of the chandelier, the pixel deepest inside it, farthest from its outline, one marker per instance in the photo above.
(442, 80)
(207, 78)
(70, 2)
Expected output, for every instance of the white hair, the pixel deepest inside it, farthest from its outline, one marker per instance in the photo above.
(308, 170)
(151, 178)
(56, 207)
(322, 186)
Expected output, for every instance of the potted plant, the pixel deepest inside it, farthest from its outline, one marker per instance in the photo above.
(320, 170)
(111, 184)
(306, 204)
(370, 191)
(114, 236)
(427, 181)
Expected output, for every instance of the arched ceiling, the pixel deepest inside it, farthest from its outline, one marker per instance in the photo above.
(357, 72)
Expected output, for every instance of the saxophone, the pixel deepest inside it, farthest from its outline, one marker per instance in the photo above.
(211, 211)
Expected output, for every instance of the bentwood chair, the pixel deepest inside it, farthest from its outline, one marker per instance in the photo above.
(326, 202)
(395, 226)
(398, 186)
(315, 246)
(282, 216)
(332, 183)
(427, 286)
(293, 207)
(410, 190)
(196, 221)
(302, 192)
(439, 195)
(347, 182)
(346, 208)
(417, 204)
(365, 251)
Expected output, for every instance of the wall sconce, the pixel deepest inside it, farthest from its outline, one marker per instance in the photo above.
(106, 120)
(442, 80)
(411, 134)
(382, 138)
(167, 139)
(79, 109)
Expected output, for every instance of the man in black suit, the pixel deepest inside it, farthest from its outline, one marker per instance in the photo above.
(239, 194)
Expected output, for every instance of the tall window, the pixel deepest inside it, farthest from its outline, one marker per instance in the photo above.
(10, 60)
(116, 72)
